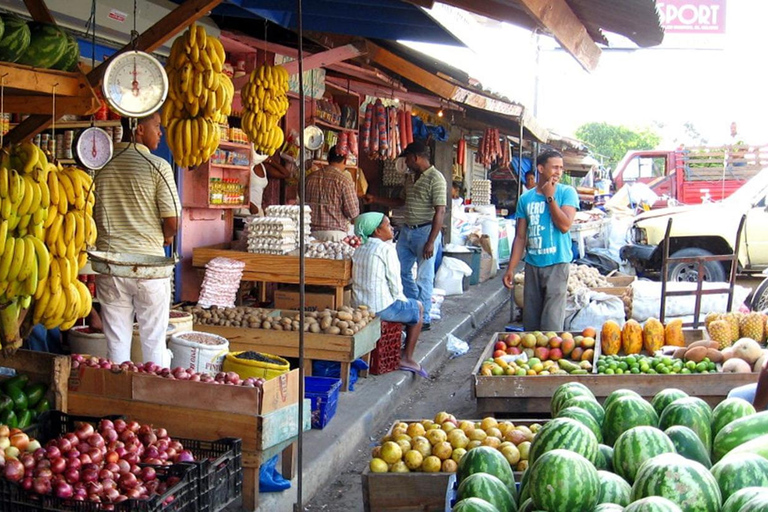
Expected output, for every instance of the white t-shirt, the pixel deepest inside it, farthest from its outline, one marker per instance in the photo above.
(257, 186)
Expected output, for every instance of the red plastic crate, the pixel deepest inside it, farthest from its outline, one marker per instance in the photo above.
(385, 357)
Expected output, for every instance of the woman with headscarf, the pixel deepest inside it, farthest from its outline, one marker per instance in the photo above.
(376, 283)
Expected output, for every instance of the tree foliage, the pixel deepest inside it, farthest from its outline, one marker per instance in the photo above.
(613, 142)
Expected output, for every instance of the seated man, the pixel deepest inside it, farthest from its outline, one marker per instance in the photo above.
(376, 283)
(756, 394)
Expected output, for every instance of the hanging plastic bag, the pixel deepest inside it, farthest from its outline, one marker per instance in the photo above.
(270, 479)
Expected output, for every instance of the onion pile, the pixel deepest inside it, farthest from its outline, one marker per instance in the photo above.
(97, 465)
(178, 373)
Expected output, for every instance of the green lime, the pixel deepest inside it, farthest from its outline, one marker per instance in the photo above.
(667, 361)
(706, 360)
(685, 371)
(702, 367)
(659, 366)
(634, 369)
(613, 366)
(690, 365)
(711, 366)
(609, 371)
(619, 371)
(623, 365)
(631, 360)
(652, 372)
(644, 367)
(665, 370)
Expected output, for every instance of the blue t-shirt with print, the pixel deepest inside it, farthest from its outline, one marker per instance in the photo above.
(546, 245)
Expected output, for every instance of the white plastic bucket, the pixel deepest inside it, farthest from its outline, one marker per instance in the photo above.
(181, 321)
(83, 341)
(189, 352)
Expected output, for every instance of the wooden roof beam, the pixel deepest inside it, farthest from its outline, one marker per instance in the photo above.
(425, 100)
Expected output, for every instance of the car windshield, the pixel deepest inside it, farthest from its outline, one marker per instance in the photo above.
(751, 192)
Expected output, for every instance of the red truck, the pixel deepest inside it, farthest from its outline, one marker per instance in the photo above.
(692, 175)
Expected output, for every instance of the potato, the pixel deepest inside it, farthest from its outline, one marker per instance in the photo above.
(277, 327)
(344, 315)
(314, 328)
(348, 332)
(342, 325)
(325, 323)
(332, 330)
(266, 325)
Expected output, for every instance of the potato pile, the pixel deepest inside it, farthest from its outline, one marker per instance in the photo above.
(345, 322)
(583, 276)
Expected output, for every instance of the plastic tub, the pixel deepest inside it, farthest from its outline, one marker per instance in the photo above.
(249, 368)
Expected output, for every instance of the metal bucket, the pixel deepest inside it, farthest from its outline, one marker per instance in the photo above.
(136, 266)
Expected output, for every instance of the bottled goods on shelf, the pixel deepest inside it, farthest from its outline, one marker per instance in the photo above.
(328, 111)
(226, 191)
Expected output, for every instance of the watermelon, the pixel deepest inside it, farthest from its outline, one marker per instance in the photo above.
(71, 57)
(738, 471)
(698, 403)
(563, 433)
(613, 489)
(637, 445)
(525, 491)
(2, 28)
(729, 410)
(681, 413)
(665, 397)
(619, 393)
(583, 417)
(588, 404)
(608, 507)
(474, 505)
(653, 504)
(485, 459)
(739, 432)
(567, 391)
(625, 413)
(742, 497)
(564, 481)
(16, 37)
(607, 454)
(687, 483)
(46, 46)
(688, 444)
(489, 488)
(527, 506)
(756, 504)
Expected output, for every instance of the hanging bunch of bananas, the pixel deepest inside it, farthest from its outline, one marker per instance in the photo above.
(199, 96)
(265, 101)
(46, 224)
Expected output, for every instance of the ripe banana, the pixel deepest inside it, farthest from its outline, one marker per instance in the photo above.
(29, 263)
(7, 260)
(65, 271)
(18, 260)
(54, 277)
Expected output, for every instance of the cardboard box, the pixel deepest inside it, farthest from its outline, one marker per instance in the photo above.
(620, 285)
(316, 299)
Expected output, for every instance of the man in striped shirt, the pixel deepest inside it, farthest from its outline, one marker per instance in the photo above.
(376, 283)
(136, 211)
(425, 199)
(331, 195)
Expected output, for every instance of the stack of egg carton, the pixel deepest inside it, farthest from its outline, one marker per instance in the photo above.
(272, 235)
(294, 213)
(480, 192)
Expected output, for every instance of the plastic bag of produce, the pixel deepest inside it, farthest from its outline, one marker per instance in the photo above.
(589, 309)
(646, 299)
(450, 275)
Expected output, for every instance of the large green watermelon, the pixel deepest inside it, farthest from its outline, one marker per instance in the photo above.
(489, 488)
(2, 28)
(653, 504)
(485, 459)
(589, 404)
(728, 411)
(46, 47)
(688, 444)
(71, 57)
(685, 482)
(474, 505)
(584, 417)
(665, 397)
(609, 507)
(738, 471)
(564, 481)
(625, 413)
(698, 403)
(524, 490)
(741, 497)
(758, 446)
(619, 393)
(682, 413)
(607, 454)
(637, 445)
(613, 489)
(527, 506)
(756, 504)
(567, 391)
(16, 37)
(739, 432)
(563, 433)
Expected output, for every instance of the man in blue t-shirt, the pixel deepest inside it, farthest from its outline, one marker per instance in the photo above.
(544, 217)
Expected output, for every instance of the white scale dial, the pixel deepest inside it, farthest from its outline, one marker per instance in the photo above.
(135, 84)
(93, 148)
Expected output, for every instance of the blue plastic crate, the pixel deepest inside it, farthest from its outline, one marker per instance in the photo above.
(324, 394)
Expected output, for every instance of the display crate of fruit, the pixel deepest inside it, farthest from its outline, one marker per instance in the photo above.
(410, 481)
(531, 394)
(49, 369)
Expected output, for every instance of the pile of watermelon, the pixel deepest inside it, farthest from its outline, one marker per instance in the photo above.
(37, 44)
(674, 454)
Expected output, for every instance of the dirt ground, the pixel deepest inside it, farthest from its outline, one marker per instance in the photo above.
(447, 390)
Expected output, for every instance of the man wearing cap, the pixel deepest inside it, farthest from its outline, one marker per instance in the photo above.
(425, 199)
(332, 196)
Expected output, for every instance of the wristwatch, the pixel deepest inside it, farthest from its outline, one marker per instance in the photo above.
(550, 199)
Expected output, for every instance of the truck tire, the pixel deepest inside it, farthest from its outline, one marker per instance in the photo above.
(759, 301)
(688, 272)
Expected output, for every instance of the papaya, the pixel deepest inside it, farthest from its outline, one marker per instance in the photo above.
(632, 337)
(610, 338)
(673, 333)
(653, 336)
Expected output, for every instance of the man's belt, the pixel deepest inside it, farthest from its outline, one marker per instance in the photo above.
(417, 226)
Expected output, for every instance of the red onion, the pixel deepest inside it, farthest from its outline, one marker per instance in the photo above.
(124, 465)
(28, 461)
(96, 441)
(128, 481)
(52, 452)
(13, 470)
(85, 458)
(58, 465)
(120, 425)
(72, 475)
(135, 469)
(44, 472)
(111, 494)
(94, 487)
(112, 467)
(84, 431)
(89, 475)
(147, 474)
(42, 485)
(132, 494)
(151, 452)
(96, 455)
(111, 456)
(26, 483)
(185, 456)
(63, 491)
(74, 463)
(110, 435)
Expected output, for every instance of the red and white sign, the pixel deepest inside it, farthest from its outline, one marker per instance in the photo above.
(118, 16)
(692, 16)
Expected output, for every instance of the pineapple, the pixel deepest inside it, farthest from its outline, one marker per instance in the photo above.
(720, 331)
(752, 326)
(711, 317)
(733, 321)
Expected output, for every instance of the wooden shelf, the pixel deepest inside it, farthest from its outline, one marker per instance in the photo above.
(76, 125)
(331, 126)
(227, 206)
(233, 145)
(231, 167)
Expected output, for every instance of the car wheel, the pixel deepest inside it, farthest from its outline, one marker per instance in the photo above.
(689, 272)
(759, 300)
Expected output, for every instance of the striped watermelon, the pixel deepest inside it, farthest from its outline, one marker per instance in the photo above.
(583, 417)
(566, 392)
(758, 446)
(613, 489)
(2, 28)
(739, 432)
(665, 397)
(729, 410)
(625, 413)
(687, 483)
(742, 497)
(71, 57)
(681, 413)
(588, 404)
(489, 488)
(564, 481)
(756, 504)
(607, 454)
(619, 393)
(688, 444)
(524, 490)
(653, 504)
(46, 46)
(16, 37)
(527, 506)
(637, 445)
(485, 459)
(738, 471)
(474, 505)
(608, 507)
(563, 433)
(698, 403)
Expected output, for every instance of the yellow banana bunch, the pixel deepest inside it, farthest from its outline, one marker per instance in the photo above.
(199, 96)
(265, 102)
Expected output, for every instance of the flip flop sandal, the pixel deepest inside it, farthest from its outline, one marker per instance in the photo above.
(421, 372)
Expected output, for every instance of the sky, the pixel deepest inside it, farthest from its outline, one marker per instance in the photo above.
(661, 88)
